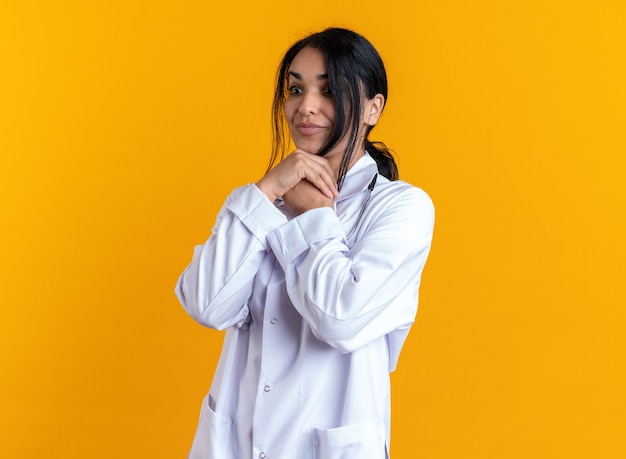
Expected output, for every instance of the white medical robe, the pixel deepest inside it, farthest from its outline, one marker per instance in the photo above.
(315, 322)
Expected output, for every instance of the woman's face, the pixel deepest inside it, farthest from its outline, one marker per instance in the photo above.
(310, 106)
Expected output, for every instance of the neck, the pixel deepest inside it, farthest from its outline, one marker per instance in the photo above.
(335, 161)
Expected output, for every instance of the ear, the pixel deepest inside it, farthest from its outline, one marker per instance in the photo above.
(373, 109)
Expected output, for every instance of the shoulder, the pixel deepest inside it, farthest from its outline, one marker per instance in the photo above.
(401, 194)
(401, 211)
(405, 208)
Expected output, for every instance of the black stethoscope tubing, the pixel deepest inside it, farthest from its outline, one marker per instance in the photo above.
(370, 188)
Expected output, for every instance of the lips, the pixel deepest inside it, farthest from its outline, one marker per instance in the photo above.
(309, 128)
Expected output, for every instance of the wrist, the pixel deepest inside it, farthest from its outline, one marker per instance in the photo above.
(263, 188)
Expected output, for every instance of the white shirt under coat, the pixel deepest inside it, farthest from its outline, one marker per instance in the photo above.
(315, 323)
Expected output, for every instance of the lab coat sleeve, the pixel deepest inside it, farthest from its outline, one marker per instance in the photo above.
(216, 286)
(350, 297)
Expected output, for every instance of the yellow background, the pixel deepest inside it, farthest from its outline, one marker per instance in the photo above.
(124, 124)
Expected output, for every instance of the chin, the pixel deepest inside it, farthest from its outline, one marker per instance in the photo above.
(309, 147)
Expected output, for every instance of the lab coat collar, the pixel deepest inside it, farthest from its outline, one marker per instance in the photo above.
(358, 177)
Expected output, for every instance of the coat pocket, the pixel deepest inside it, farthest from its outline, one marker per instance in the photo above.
(364, 441)
(213, 435)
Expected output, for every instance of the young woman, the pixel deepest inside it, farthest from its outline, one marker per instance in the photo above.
(313, 270)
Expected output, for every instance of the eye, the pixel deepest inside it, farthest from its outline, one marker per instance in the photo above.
(327, 91)
(295, 90)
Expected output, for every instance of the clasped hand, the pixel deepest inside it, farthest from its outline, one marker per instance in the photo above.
(305, 181)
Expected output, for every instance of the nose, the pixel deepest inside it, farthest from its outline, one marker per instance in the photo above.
(309, 103)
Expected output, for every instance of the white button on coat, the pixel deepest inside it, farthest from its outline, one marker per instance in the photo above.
(345, 309)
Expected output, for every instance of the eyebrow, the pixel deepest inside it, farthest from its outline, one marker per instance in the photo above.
(297, 76)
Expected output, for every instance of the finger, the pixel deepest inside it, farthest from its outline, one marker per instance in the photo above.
(300, 165)
(323, 181)
(318, 171)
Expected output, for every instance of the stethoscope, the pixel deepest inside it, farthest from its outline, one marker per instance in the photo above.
(370, 188)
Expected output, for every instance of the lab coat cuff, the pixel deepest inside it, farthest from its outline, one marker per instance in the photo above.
(298, 234)
(256, 212)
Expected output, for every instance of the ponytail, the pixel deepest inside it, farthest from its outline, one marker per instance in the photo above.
(384, 159)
